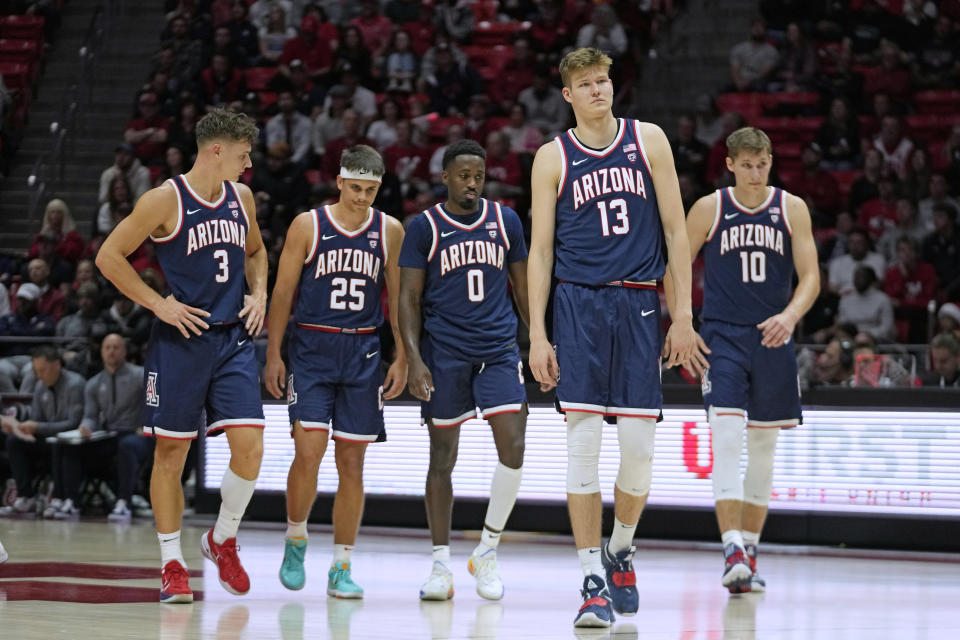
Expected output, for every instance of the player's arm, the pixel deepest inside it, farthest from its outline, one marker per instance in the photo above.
(778, 329)
(544, 181)
(699, 222)
(255, 267)
(156, 213)
(681, 341)
(396, 378)
(296, 246)
(518, 281)
(419, 379)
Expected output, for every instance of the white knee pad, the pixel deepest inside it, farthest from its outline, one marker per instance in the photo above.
(636, 436)
(584, 433)
(758, 480)
(726, 429)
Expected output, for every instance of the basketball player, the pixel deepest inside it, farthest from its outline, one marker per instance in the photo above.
(200, 354)
(340, 256)
(459, 257)
(753, 236)
(605, 196)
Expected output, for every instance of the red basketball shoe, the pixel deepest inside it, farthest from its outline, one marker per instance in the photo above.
(232, 576)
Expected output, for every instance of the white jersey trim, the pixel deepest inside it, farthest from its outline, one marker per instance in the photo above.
(783, 211)
(450, 422)
(237, 422)
(503, 408)
(341, 230)
(355, 437)
(766, 203)
(176, 231)
(621, 127)
(464, 227)
(315, 219)
(583, 406)
(503, 227)
(243, 209)
(207, 203)
(759, 424)
(563, 166)
(716, 217)
(383, 238)
(433, 228)
(640, 147)
(166, 433)
(313, 426)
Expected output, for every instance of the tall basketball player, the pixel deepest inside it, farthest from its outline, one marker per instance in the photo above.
(605, 197)
(200, 354)
(340, 257)
(753, 236)
(459, 257)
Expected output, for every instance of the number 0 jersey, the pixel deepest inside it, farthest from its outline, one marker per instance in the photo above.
(466, 307)
(203, 259)
(748, 260)
(608, 222)
(343, 275)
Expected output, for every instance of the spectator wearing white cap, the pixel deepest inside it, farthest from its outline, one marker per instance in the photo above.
(948, 319)
(25, 321)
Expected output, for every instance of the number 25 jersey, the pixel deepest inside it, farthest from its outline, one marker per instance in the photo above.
(608, 223)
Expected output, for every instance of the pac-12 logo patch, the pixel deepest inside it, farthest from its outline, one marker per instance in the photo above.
(291, 394)
(705, 385)
(373, 244)
(153, 395)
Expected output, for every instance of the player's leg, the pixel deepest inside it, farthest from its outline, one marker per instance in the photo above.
(757, 485)
(310, 444)
(347, 513)
(166, 499)
(444, 443)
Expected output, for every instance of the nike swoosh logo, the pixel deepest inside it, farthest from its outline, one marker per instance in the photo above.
(370, 355)
(646, 313)
(583, 484)
(240, 342)
(190, 212)
(730, 216)
(594, 550)
(580, 161)
(444, 234)
(326, 237)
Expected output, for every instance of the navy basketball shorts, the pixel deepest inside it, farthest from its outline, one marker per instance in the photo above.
(494, 384)
(215, 371)
(745, 375)
(608, 343)
(336, 384)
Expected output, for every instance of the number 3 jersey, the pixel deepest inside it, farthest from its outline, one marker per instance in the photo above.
(203, 259)
(608, 224)
(466, 305)
(343, 275)
(748, 260)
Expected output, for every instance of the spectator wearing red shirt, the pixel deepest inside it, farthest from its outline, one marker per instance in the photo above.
(549, 30)
(504, 176)
(222, 83)
(148, 132)
(422, 29)
(517, 74)
(58, 222)
(307, 47)
(877, 213)
(374, 27)
(890, 77)
(51, 299)
(408, 161)
(817, 186)
(717, 173)
(911, 285)
(352, 135)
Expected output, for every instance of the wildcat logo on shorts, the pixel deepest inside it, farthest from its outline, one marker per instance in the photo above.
(705, 385)
(153, 396)
(291, 394)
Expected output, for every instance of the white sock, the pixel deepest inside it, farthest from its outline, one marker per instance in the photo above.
(441, 554)
(732, 537)
(749, 537)
(297, 529)
(622, 536)
(341, 553)
(590, 561)
(235, 493)
(488, 542)
(170, 548)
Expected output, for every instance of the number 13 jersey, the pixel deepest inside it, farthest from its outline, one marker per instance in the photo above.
(343, 275)
(608, 224)
(466, 306)
(748, 260)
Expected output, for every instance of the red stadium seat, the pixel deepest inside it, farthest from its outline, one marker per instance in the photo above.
(845, 180)
(314, 176)
(14, 50)
(938, 101)
(791, 103)
(930, 126)
(438, 127)
(806, 127)
(16, 75)
(781, 130)
(489, 61)
(26, 27)
(749, 105)
(258, 77)
(485, 10)
(492, 33)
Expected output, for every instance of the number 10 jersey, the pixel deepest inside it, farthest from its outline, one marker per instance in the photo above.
(608, 225)
(342, 278)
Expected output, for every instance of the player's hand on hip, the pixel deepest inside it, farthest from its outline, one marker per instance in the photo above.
(396, 379)
(777, 329)
(420, 381)
(680, 343)
(255, 310)
(543, 364)
(275, 376)
(184, 317)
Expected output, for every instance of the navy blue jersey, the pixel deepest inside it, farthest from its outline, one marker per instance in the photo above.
(203, 259)
(608, 223)
(748, 260)
(466, 306)
(343, 275)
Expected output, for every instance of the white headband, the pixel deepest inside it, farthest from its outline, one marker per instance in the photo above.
(359, 174)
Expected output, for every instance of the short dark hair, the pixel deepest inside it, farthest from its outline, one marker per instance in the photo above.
(463, 148)
(46, 351)
(220, 124)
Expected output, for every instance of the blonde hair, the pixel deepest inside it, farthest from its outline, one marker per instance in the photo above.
(68, 223)
(748, 139)
(580, 59)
